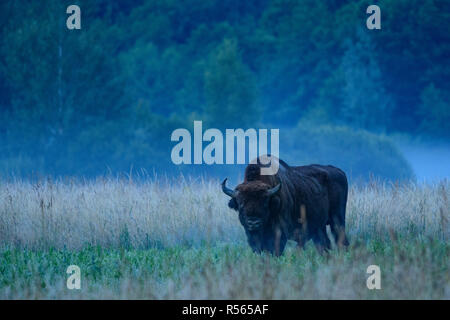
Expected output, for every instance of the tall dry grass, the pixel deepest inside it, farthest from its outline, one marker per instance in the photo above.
(121, 213)
(195, 247)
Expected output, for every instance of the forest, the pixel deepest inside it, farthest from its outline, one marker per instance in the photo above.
(105, 99)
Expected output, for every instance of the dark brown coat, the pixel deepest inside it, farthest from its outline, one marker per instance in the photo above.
(296, 203)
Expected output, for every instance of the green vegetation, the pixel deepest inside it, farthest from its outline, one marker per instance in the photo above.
(106, 97)
(410, 269)
(157, 240)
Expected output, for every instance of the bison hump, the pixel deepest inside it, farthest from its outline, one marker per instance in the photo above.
(252, 172)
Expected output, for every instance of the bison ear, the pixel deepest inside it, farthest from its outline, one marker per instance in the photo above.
(275, 203)
(233, 204)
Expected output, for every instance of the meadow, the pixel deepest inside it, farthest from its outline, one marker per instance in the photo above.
(176, 239)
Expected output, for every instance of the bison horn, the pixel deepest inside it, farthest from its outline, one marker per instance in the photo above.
(227, 190)
(274, 190)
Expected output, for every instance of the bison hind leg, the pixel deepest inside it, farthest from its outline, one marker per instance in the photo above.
(338, 231)
(321, 240)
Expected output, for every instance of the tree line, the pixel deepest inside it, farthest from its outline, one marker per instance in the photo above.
(107, 96)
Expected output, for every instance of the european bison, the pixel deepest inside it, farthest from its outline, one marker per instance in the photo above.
(296, 203)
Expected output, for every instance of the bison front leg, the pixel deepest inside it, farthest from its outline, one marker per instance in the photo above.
(300, 238)
(280, 242)
(301, 233)
(275, 242)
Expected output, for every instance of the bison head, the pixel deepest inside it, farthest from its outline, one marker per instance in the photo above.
(254, 201)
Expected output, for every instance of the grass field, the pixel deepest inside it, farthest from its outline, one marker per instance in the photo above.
(179, 240)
